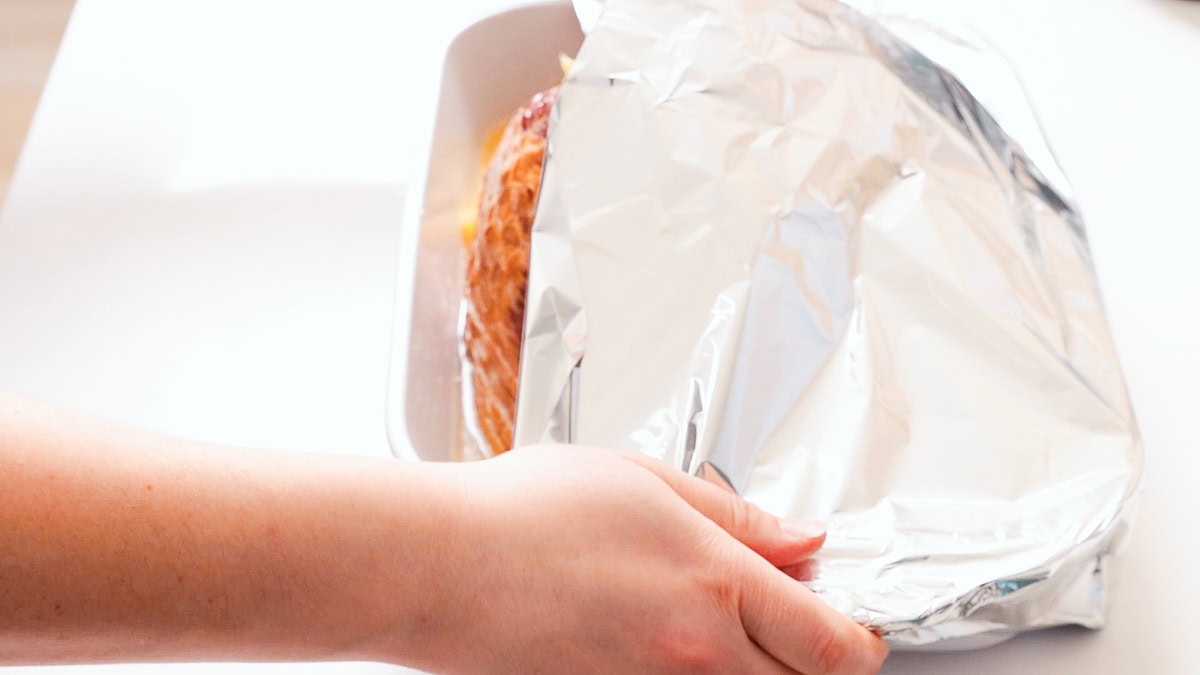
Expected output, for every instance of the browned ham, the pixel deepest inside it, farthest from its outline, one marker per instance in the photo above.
(498, 268)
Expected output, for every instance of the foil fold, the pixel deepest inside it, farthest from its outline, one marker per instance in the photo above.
(791, 240)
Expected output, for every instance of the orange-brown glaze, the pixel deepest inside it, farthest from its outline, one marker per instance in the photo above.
(498, 268)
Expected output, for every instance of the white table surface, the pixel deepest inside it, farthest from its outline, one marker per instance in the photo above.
(201, 239)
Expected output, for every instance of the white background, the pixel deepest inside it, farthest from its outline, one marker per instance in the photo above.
(201, 239)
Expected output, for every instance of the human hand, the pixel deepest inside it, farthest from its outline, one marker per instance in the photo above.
(588, 560)
(127, 546)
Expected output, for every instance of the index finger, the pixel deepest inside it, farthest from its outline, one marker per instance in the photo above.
(763, 533)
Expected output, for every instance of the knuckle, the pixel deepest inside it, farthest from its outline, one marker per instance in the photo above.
(830, 652)
(722, 600)
(685, 657)
(740, 514)
(722, 579)
(689, 650)
(724, 592)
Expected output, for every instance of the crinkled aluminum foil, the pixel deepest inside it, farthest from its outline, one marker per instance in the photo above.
(777, 237)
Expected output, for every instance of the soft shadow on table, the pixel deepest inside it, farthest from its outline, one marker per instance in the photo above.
(1050, 651)
(1187, 11)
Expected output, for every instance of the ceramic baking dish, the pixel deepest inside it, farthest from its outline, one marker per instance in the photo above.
(489, 70)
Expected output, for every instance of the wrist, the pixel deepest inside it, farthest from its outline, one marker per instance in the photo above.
(418, 596)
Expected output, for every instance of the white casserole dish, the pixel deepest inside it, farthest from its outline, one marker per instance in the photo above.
(489, 70)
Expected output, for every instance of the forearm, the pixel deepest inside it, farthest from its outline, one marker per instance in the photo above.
(120, 545)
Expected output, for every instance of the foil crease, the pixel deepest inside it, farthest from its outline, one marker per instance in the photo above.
(833, 256)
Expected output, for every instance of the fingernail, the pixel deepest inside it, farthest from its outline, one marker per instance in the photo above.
(803, 529)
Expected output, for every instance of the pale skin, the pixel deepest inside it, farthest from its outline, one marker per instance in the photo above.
(118, 545)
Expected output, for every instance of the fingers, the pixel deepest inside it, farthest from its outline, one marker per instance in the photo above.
(782, 543)
(792, 626)
(803, 632)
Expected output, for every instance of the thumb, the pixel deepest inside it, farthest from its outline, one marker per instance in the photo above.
(781, 542)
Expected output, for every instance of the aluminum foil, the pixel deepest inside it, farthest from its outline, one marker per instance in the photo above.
(776, 236)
